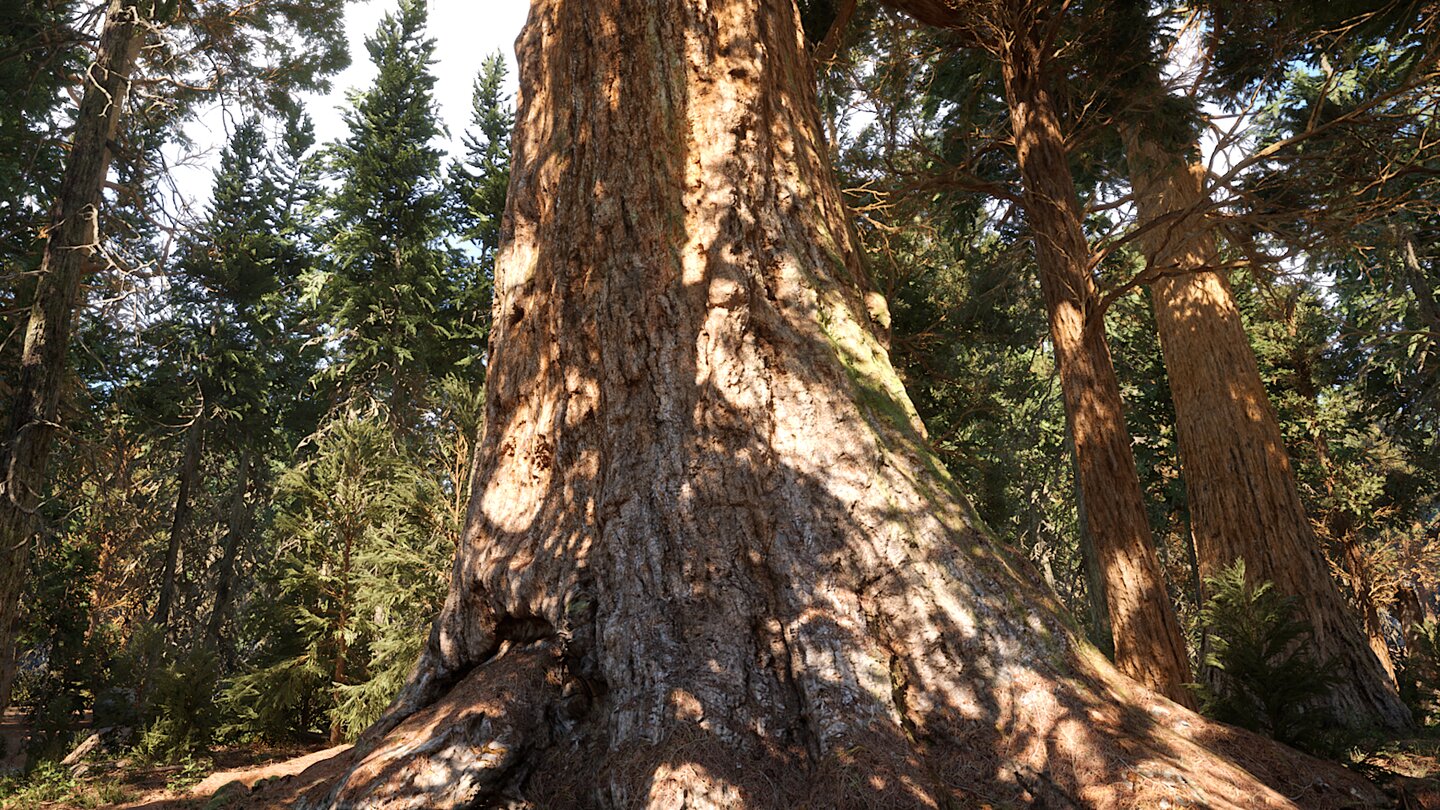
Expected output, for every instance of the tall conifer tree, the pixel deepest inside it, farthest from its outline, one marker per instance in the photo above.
(481, 177)
(392, 281)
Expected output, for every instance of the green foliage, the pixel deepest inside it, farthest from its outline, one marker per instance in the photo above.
(66, 662)
(1266, 679)
(364, 534)
(48, 781)
(38, 48)
(279, 700)
(479, 180)
(182, 703)
(394, 293)
(192, 771)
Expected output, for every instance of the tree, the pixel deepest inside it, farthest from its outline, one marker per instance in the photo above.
(1351, 182)
(251, 258)
(70, 244)
(1240, 484)
(38, 49)
(711, 561)
(1022, 40)
(478, 181)
(356, 574)
(301, 48)
(393, 289)
(1239, 481)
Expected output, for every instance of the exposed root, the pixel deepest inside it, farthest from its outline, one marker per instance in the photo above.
(470, 747)
(1301, 780)
(518, 732)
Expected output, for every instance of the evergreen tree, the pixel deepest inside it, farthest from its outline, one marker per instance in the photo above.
(357, 578)
(195, 50)
(1269, 678)
(392, 290)
(38, 49)
(481, 177)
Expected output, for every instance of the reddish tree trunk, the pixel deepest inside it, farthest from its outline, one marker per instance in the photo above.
(1241, 489)
(72, 238)
(709, 559)
(1148, 644)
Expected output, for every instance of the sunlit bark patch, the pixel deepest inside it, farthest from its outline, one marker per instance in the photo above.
(710, 561)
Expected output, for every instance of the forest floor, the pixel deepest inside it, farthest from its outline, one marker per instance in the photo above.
(205, 783)
(1408, 770)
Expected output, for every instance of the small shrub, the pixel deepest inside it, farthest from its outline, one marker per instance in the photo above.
(192, 771)
(183, 707)
(88, 795)
(48, 781)
(1263, 677)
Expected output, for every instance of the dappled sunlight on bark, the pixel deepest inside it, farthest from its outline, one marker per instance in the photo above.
(1239, 483)
(710, 561)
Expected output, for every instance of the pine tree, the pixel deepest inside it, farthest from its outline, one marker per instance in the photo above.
(219, 39)
(1270, 679)
(392, 287)
(361, 531)
(481, 177)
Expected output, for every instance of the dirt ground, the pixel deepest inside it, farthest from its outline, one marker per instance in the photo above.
(125, 785)
(274, 777)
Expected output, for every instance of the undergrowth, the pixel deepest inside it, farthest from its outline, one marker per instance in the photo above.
(1263, 676)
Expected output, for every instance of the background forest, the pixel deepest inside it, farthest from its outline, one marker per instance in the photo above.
(264, 415)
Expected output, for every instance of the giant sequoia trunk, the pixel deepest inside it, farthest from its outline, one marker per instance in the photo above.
(709, 560)
(73, 238)
(1243, 499)
(1148, 644)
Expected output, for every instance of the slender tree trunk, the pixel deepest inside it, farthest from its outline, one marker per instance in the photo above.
(72, 239)
(709, 560)
(239, 524)
(1420, 286)
(189, 471)
(1416, 606)
(1148, 644)
(1241, 489)
(342, 624)
(1102, 635)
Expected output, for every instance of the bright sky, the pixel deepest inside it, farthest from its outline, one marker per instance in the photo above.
(465, 32)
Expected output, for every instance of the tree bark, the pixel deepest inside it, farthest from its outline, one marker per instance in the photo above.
(1357, 568)
(1243, 498)
(1416, 608)
(1149, 646)
(1425, 295)
(239, 524)
(72, 238)
(1102, 635)
(709, 560)
(189, 470)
